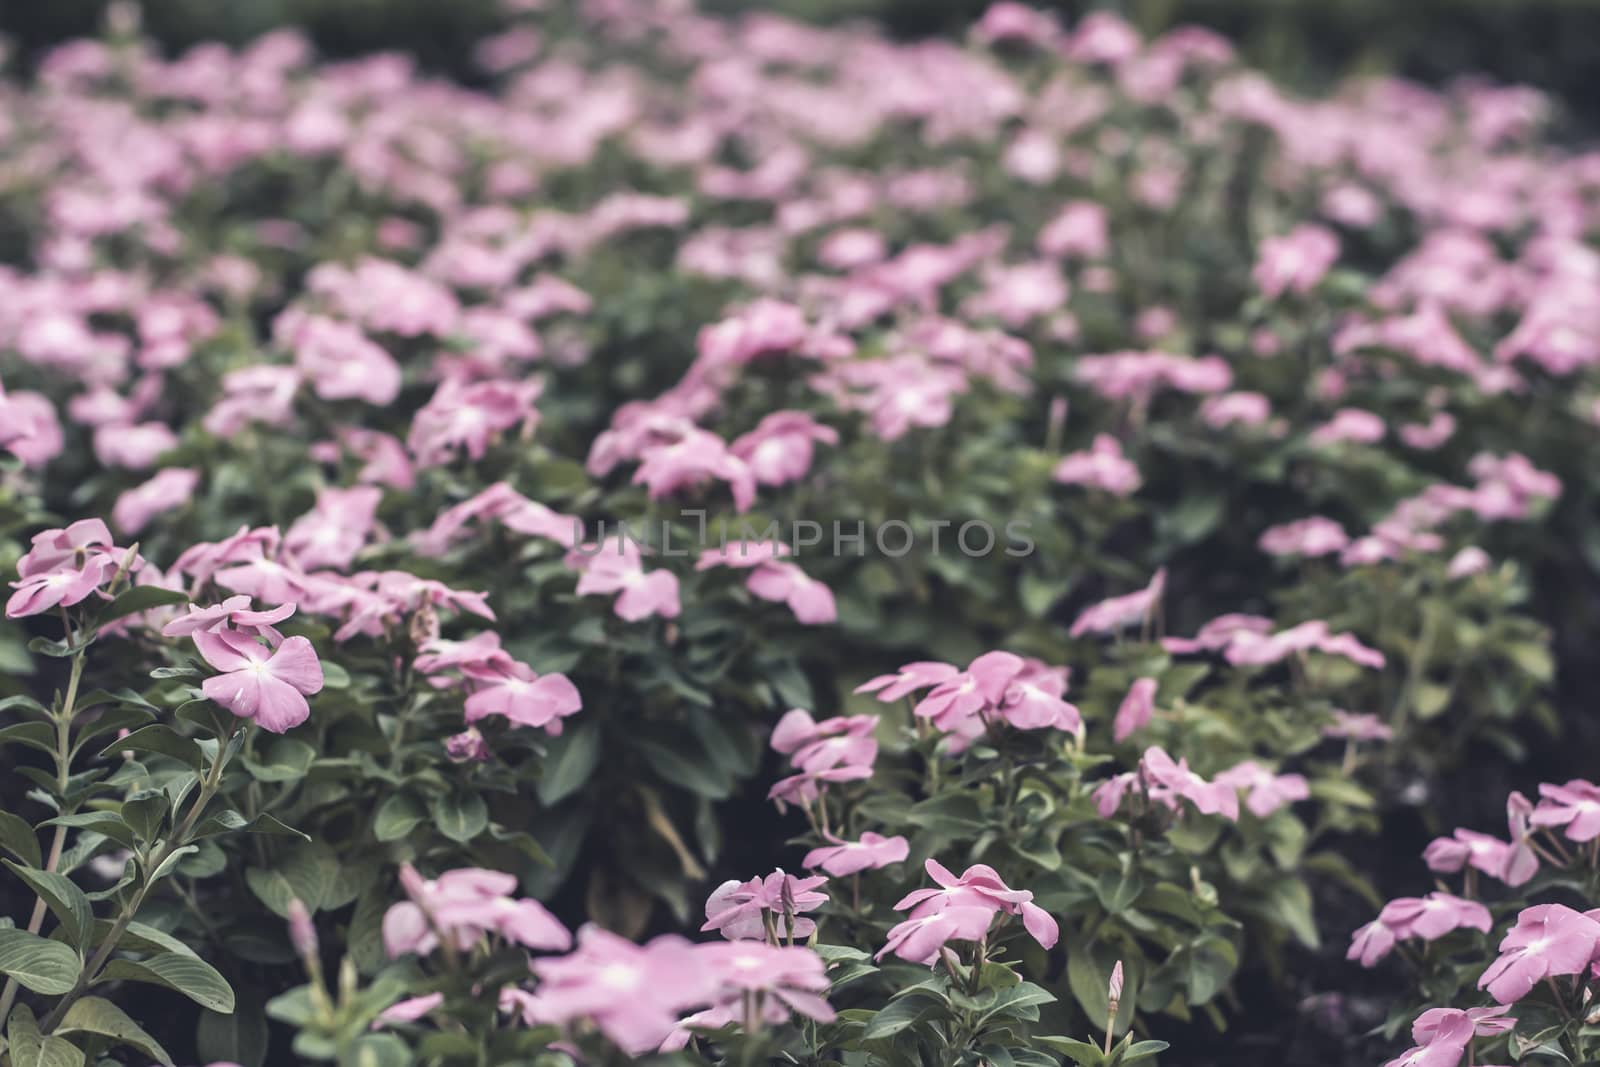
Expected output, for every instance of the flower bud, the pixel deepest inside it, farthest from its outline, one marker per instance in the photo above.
(302, 933)
(467, 746)
(1114, 990)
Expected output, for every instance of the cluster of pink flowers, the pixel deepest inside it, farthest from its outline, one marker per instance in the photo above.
(496, 684)
(771, 907)
(962, 909)
(65, 567)
(996, 687)
(1102, 466)
(840, 749)
(460, 907)
(637, 995)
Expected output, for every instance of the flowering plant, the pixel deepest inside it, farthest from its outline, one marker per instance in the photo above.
(735, 541)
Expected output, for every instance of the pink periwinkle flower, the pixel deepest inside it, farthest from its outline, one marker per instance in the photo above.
(1574, 806)
(1117, 613)
(743, 910)
(616, 566)
(967, 905)
(267, 683)
(1136, 709)
(818, 746)
(785, 583)
(693, 459)
(168, 489)
(779, 449)
(1349, 425)
(1297, 261)
(462, 906)
(869, 853)
(1161, 773)
(333, 532)
(632, 993)
(1265, 792)
(1310, 537)
(518, 694)
(1548, 940)
(468, 417)
(1102, 466)
(1433, 916)
(783, 979)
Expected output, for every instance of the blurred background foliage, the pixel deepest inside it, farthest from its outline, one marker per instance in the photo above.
(1550, 44)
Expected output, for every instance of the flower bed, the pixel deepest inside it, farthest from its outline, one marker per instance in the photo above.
(753, 543)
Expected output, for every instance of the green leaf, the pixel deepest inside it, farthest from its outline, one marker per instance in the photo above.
(571, 759)
(48, 967)
(162, 740)
(697, 776)
(398, 815)
(897, 1016)
(1289, 902)
(1118, 891)
(141, 598)
(240, 1038)
(1080, 1052)
(460, 816)
(97, 1016)
(29, 1048)
(285, 760)
(18, 838)
(39, 735)
(305, 871)
(1142, 1050)
(377, 1050)
(64, 899)
(189, 975)
(145, 812)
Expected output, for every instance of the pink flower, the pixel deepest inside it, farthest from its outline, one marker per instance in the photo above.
(615, 566)
(1247, 409)
(779, 449)
(765, 326)
(1349, 424)
(1080, 230)
(837, 742)
(1433, 916)
(696, 457)
(871, 852)
(462, 906)
(1160, 772)
(1315, 536)
(632, 993)
(1112, 615)
(135, 447)
(1136, 710)
(338, 359)
(741, 910)
(408, 1010)
(29, 428)
(170, 488)
(507, 506)
(525, 698)
(65, 586)
(469, 416)
(333, 532)
(1267, 792)
(910, 678)
(1575, 806)
(468, 746)
(920, 937)
(1371, 943)
(1296, 261)
(1102, 466)
(267, 685)
(233, 612)
(979, 889)
(1548, 940)
(1468, 562)
(782, 979)
(810, 600)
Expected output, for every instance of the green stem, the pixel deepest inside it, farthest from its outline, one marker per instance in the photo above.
(180, 835)
(58, 839)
